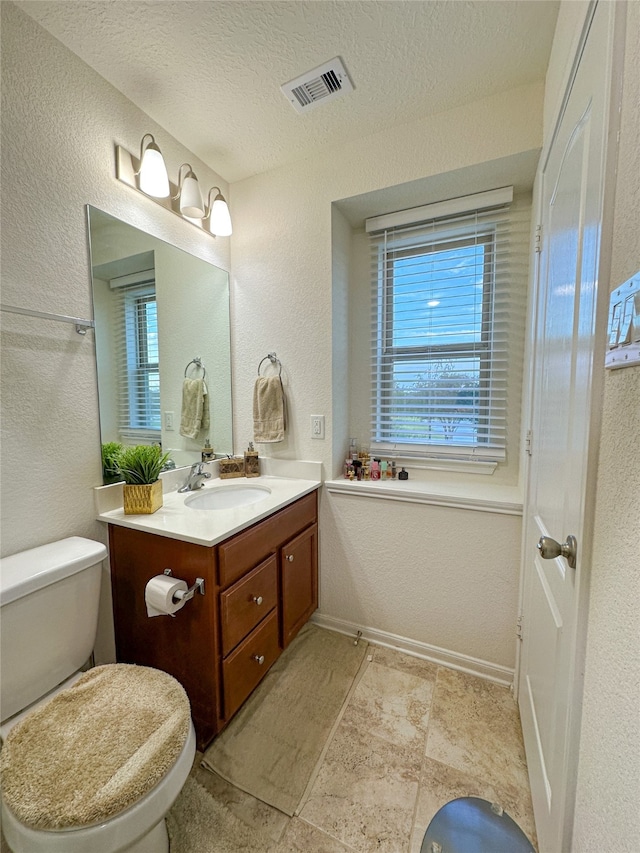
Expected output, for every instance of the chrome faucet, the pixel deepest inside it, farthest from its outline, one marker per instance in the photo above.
(196, 478)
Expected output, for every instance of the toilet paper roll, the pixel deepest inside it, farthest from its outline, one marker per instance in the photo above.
(159, 595)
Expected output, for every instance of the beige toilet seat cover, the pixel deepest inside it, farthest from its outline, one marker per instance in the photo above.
(96, 748)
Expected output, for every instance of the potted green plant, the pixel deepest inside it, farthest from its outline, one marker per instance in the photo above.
(111, 472)
(140, 467)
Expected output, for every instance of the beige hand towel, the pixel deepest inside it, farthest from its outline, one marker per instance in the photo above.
(269, 422)
(204, 424)
(195, 408)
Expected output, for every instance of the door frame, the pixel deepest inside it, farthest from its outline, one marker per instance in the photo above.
(616, 36)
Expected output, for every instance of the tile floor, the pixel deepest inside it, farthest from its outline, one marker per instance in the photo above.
(413, 736)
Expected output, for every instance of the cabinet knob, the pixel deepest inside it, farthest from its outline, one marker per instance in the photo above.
(259, 659)
(290, 558)
(257, 599)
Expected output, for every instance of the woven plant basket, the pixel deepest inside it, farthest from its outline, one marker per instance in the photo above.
(142, 500)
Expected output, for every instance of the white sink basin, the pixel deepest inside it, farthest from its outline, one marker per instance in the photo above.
(227, 497)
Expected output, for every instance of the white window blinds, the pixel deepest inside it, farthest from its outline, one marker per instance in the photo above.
(449, 300)
(136, 352)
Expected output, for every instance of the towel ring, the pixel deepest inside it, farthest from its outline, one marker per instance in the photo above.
(198, 363)
(274, 360)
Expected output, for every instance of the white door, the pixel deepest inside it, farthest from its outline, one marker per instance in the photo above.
(561, 476)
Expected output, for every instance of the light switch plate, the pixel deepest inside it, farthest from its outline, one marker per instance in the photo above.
(623, 343)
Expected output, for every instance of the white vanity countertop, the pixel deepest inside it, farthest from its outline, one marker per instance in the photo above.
(209, 527)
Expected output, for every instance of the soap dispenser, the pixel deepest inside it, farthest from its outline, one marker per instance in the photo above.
(251, 462)
(207, 452)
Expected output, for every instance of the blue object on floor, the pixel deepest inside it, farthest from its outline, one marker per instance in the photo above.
(472, 825)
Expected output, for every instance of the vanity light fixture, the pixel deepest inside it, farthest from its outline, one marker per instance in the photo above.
(189, 195)
(152, 175)
(218, 214)
(148, 175)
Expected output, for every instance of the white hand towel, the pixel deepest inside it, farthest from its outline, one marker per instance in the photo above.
(268, 410)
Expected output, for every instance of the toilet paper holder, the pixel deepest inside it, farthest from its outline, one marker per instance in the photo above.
(187, 594)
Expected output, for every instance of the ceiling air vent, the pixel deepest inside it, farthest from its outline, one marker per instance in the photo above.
(324, 83)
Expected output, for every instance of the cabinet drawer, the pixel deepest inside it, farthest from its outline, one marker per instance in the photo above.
(246, 666)
(252, 546)
(247, 602)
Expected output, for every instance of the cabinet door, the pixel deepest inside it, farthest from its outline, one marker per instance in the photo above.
(298, 582)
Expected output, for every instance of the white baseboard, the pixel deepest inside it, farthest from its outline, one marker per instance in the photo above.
(464, 663)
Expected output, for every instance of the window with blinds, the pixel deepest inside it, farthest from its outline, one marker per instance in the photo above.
(449, 286)
(136, 349)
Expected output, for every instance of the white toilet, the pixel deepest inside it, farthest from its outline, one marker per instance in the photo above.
(138, 717)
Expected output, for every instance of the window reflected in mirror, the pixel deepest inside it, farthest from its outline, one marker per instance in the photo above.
(156, 309)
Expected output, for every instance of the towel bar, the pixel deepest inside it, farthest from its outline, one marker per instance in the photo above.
(272, 357)
(80, 324)
(198, 362)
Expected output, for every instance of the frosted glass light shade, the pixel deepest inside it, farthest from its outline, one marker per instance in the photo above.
(153, 177)
(191, 203)
(219, 217)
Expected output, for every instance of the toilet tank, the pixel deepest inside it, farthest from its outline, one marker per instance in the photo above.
(48, 617)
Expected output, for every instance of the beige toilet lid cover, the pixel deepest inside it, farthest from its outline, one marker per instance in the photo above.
(94, 749)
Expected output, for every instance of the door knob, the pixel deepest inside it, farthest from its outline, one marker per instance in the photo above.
(550, 549)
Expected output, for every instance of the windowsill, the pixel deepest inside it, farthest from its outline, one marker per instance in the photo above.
(506, 500)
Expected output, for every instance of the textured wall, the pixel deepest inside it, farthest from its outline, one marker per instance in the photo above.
(437, 575)
(607, 814)
(60, 123)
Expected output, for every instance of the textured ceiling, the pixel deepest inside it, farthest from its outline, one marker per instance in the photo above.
(210, 72)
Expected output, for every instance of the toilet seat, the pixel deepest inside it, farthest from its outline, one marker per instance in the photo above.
(130, 827)
(95, 750)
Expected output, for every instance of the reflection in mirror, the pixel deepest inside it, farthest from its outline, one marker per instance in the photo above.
(162, 319)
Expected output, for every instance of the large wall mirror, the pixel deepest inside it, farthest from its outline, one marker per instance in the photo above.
(161, 316)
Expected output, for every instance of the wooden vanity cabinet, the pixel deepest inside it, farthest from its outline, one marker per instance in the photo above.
(261, 586)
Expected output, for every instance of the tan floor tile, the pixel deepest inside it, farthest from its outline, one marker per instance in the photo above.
(440, 784)
(301, 837)
(391, 704)
(404, 662)
(475, 727)
(365, 792)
